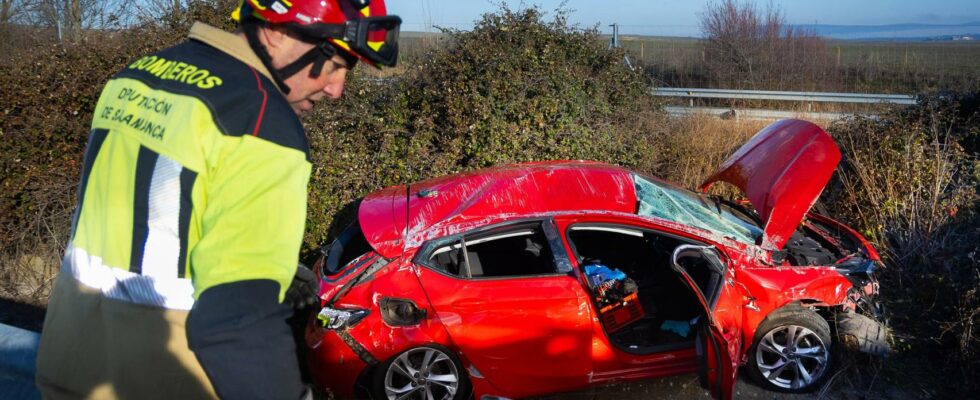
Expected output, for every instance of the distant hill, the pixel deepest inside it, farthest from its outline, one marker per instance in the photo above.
(897, 31)
(415, 35)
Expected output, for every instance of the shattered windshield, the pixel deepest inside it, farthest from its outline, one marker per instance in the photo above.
(656, 199)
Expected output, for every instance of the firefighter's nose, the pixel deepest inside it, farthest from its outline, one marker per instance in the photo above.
(334, 89)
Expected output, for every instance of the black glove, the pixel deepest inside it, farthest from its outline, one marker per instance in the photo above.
(302, 291)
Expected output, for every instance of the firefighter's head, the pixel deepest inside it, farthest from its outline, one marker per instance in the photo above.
(309, 45)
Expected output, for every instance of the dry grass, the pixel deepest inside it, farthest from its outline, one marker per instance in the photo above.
(28, 267)
(695, 145)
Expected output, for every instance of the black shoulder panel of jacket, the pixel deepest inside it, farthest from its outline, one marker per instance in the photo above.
(242, 100)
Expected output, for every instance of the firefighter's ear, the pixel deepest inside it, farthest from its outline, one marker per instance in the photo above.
(275, 39)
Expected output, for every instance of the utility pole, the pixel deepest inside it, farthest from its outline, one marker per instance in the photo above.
(614, 42)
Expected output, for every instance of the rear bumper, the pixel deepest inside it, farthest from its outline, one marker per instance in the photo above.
(333, 364)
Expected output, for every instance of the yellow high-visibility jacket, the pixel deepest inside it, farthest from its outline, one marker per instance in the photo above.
(195, 175)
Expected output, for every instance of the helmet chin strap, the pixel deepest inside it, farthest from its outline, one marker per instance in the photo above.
(317, 56)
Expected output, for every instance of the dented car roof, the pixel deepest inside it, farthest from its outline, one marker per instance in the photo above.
(518, 189)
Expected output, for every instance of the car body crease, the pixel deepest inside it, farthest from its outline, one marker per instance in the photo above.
(361, 352)
(360, 278)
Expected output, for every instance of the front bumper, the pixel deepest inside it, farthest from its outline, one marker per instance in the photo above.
(861, 273)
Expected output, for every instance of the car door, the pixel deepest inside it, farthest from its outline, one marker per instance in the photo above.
(523, 321)
(718, 344)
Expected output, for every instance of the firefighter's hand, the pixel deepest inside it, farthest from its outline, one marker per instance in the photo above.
(303, 290)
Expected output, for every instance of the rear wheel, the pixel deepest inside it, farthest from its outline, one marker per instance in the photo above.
(791, 351)
(429, 372)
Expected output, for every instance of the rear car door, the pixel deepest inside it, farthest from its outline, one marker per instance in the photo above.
(719, 341)
(509, 300)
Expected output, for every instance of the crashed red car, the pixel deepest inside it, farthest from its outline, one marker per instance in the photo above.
(549, 277)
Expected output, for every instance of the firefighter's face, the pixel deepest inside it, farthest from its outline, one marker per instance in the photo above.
(304, 89)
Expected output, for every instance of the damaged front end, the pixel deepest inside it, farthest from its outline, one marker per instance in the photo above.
(830, 267)
(863, 327)
(861, 333)
(861, 297)
(859, 320)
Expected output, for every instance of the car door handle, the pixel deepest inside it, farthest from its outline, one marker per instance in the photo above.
(469, 303)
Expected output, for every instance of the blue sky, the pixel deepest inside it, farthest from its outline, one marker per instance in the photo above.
(680, 17)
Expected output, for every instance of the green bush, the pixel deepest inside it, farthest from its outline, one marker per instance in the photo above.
(47, 95)
(515, 88)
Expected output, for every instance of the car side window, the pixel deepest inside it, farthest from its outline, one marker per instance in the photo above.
(517, 251)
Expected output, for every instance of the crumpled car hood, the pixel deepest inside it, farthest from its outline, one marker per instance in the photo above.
(782, 170)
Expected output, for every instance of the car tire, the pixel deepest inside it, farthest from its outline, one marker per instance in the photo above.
(430, 369)
(792, 351)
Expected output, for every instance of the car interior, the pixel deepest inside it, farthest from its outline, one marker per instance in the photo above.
(669, 308)
(518, 251)
(350, 245)
(667, 311)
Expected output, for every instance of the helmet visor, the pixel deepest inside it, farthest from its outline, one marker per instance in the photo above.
(375, 38)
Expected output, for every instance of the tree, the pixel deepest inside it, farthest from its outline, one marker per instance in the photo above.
(154, 9)
(68, 18)
(12, 10)
(745, 48)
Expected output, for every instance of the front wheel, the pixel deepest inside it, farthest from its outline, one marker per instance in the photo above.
(791, 351)
(424, 373)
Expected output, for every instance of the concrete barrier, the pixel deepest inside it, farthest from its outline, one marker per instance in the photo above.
(18, 354)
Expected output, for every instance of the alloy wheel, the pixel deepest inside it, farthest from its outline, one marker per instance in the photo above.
(422, 373)
(792, 357)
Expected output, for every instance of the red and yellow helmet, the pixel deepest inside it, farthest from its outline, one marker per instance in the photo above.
(361, 28)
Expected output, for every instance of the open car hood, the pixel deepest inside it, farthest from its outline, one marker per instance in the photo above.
(782, 171)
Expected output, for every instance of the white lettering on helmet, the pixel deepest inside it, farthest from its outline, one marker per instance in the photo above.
(279, 8)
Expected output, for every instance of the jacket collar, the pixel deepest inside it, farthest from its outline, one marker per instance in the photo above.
(231, 44)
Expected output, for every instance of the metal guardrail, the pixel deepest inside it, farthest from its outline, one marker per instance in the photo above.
(774, 95)
(816, 97)
(755, 114)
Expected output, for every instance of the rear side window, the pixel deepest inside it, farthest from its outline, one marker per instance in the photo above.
(349, 246)
(516, 251)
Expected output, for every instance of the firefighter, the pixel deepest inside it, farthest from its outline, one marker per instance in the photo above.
(182, 261)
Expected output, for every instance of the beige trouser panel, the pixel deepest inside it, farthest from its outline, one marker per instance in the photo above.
(99, 348)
